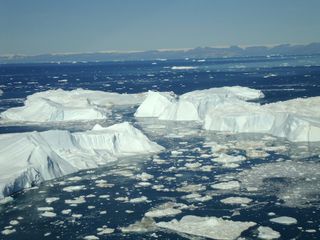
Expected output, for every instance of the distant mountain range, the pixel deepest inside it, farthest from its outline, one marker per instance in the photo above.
(199, 52)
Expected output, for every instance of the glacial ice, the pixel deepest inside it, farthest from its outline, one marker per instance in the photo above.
(229, 109)
(284, 220)
(209, 227)
(267, 233)
(76, 105)
(192, 106)
(29, 158)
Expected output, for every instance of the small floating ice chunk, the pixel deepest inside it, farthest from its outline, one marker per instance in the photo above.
(43, 209)
(183, 67)
(144, 176)
(226, 185)
(139, 199)
(76, 215)
(209, 227)
(52, 199)
(74, 179)
(91, 237)
(14, 222)
(48, 214)
(267, 233)
(284, 220)
(193, 166)
(66, 211)
(73, 188)
(104, 230)
(236, 200)
(75, 201)
(166, 209)
(8, 231)
(196, 197)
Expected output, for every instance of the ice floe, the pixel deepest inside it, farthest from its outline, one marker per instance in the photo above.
(284, 220)
(226, 185)
(236, 200)
(29, 158)
(209, 227)
(267, 233)
(166, 210)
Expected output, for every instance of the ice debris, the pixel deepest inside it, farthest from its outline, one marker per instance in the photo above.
(267, 233)
(284, 220)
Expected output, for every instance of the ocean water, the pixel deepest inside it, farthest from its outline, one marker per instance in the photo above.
(283, 178)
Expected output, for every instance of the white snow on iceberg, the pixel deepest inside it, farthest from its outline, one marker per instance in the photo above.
(76, 105)
(297, 120)
(227, 109)
(29, 158)
(194, 105)
(209, 227)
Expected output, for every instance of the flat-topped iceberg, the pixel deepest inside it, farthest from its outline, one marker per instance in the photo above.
(228, 109)
(297, 120)
(59, 105)
(29, 158)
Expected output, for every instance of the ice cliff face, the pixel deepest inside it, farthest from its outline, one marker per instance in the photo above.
(76, 105)
(227, 109)
(29, 158)
(297, 120)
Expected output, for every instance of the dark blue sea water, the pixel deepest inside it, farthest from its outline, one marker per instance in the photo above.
(280, 78)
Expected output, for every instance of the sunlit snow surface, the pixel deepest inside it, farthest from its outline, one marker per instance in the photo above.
(210, 175)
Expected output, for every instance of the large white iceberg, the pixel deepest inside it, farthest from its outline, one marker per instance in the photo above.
(29, 158)
(229, 109)
(297, 119)
(194, 105)
(209, 227)
(59, 105)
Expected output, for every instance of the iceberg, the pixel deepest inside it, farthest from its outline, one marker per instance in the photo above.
(297, 120)
(192, 106)
(230, 109)
(32, 157)
(209, 227)
(76, 105)
(1, 92)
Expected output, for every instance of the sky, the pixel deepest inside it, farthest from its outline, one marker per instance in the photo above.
(34, 27)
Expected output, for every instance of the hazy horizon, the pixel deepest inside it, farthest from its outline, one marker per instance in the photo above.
(43, 27)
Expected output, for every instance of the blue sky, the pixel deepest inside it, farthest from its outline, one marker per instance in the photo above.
(56, 26)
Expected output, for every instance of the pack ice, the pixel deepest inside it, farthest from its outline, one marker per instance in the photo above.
(29, 158)
(229, 109)
(76, 105)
